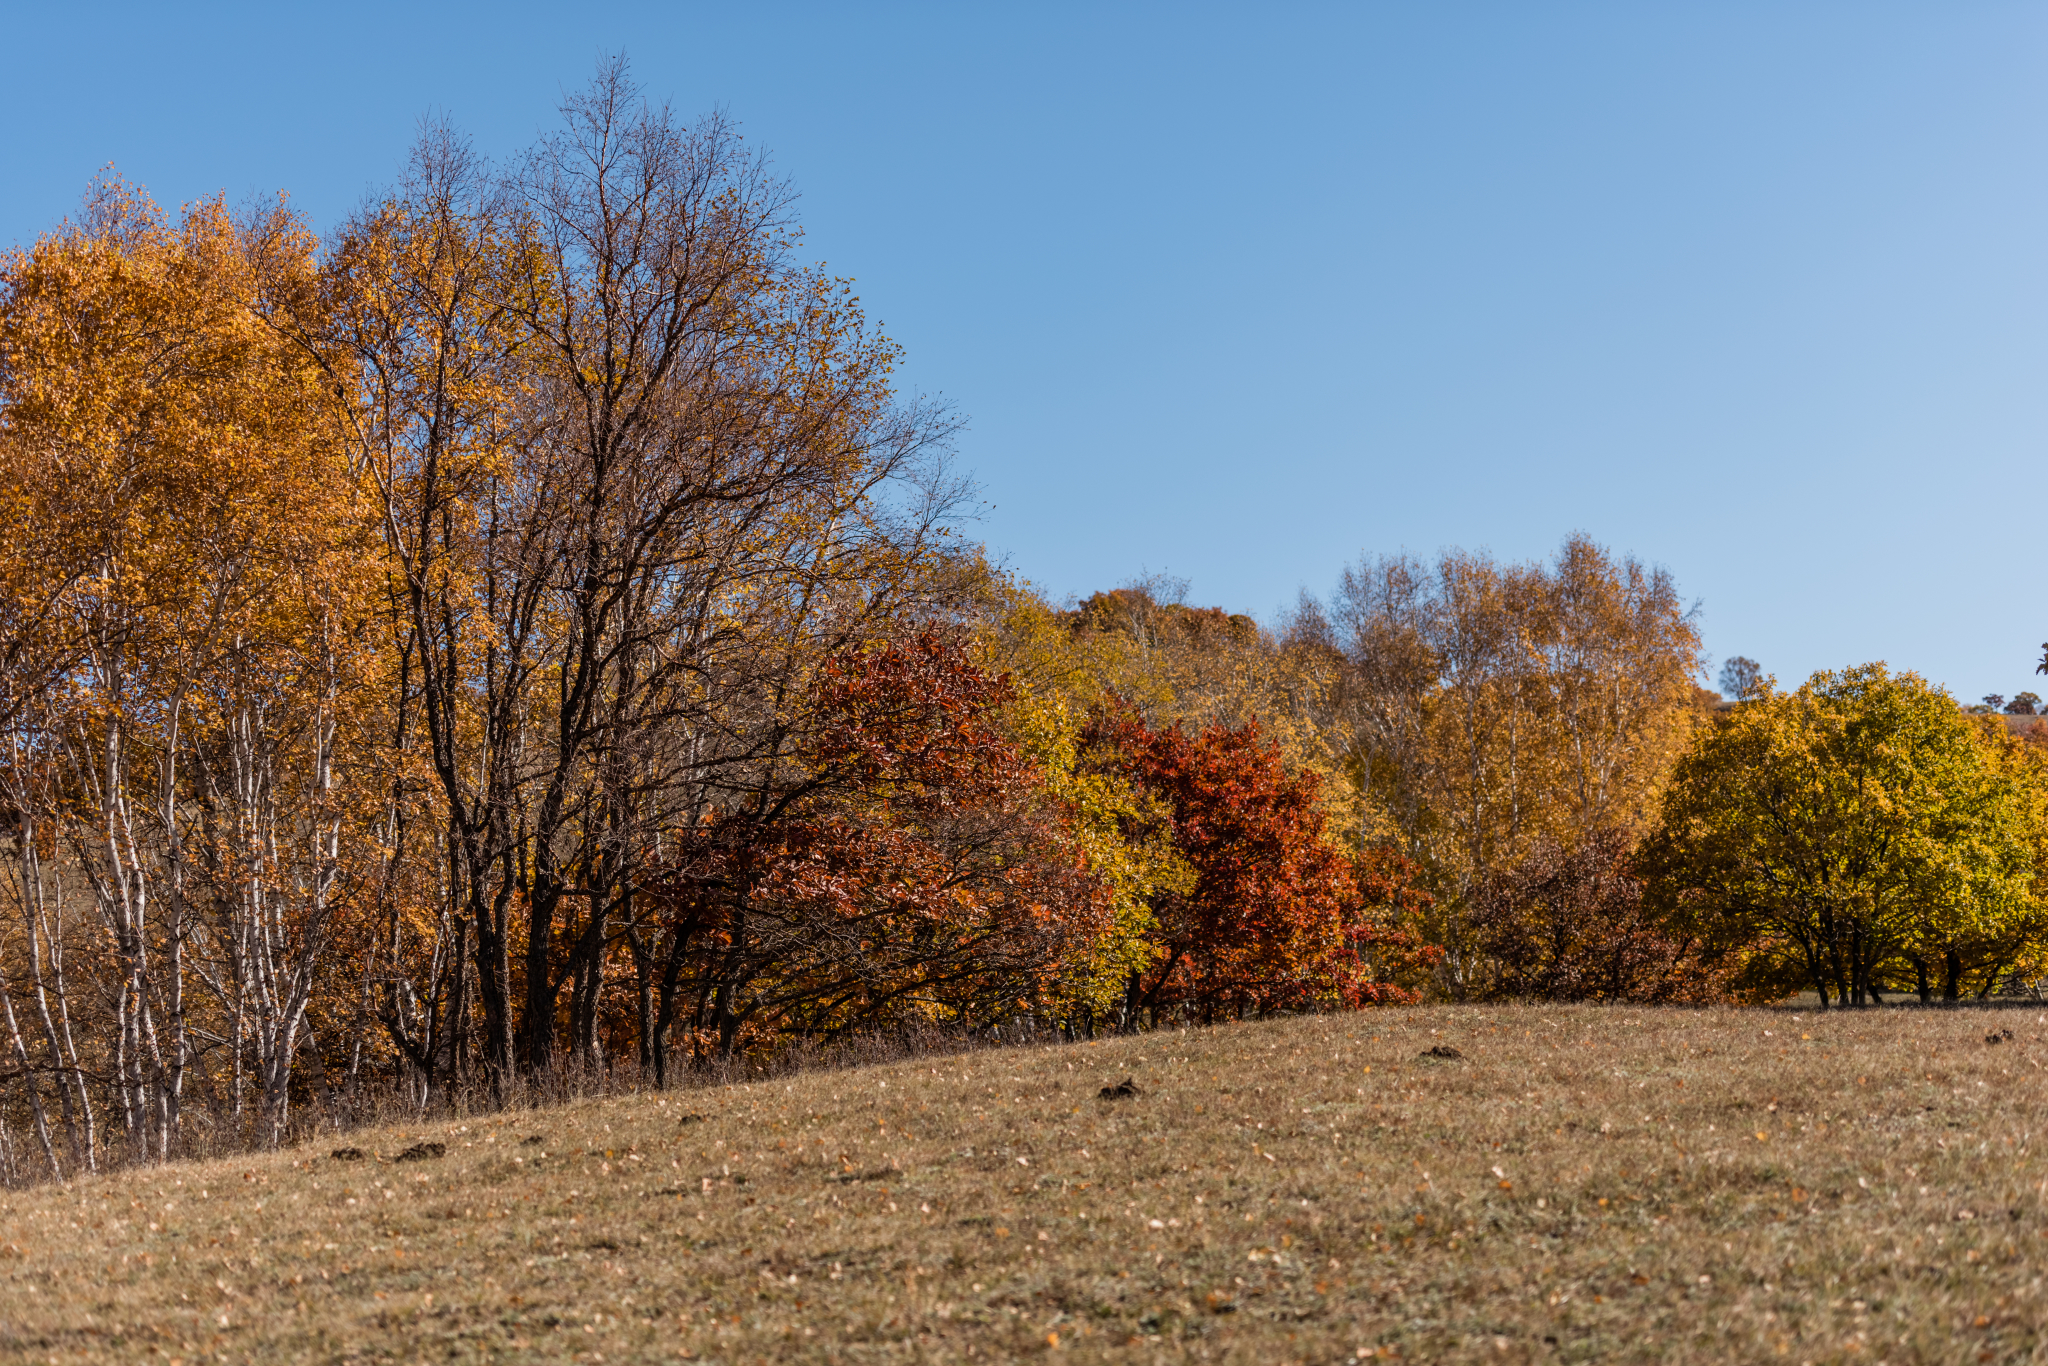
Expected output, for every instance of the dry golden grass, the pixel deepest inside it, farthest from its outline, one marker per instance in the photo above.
(1613, 1185)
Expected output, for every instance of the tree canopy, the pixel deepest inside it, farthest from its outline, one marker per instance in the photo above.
(1856, 828)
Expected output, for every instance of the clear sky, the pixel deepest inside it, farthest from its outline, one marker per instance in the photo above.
(1756, 291)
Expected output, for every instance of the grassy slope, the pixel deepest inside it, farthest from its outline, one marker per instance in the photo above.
(1293, 1191)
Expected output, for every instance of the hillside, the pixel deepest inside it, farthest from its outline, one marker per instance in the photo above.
(1580, 1184)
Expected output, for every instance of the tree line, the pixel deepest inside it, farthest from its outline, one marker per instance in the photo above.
(1594, 826)
(528, 634)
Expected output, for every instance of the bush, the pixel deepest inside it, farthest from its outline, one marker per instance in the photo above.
(1570, 925)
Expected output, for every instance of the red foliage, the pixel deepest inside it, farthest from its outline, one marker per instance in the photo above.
(1387, 954)
(912, 722)
(897, 858)
(1280, 917)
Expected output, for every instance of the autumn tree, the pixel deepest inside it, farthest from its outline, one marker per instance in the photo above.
(1142, 652)
(899, 861)
(1484, 709)
(378, 619)
(179, 728)
(1177, 663)
(1274, 918)
(633, 464)
(1855, 831)
(1059, 676)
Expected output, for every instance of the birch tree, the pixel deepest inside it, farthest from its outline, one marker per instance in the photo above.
(175, 768)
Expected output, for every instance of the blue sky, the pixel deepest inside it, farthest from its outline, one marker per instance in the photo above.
(1756, 291)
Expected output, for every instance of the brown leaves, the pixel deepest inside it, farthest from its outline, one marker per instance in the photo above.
(1572, 925)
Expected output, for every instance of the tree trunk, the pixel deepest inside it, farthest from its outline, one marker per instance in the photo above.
(28, 1082)
(1859, 971)
(643, 993)
(494, 992)
(458, 1006)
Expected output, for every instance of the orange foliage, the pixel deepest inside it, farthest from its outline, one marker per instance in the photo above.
(1279, 917)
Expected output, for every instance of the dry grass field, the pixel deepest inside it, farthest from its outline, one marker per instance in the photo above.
(1578, 1185)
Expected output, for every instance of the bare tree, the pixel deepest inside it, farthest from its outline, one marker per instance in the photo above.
(1740, 677)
